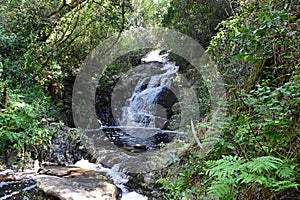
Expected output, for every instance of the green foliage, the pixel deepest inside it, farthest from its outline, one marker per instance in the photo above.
(148, 13)
(45, 42)
(42, 45)
(197, 19)
(257, 156)
(24, 123)
(232, 173)
(265, 46)
(185, 179)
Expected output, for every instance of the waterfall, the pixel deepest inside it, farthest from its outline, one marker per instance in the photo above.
(141, 108)
(141, 98)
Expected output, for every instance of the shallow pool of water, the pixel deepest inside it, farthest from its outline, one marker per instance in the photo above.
(23, 189)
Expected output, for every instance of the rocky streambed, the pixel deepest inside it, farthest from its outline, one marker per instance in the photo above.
(66, 173)
(81, 181)
(126, 154)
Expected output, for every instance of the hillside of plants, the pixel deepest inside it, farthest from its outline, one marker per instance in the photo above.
(254, 44)
(257, 156)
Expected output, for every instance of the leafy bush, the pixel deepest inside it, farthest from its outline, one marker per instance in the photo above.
(24, 125)
(197, 19)
(42, 45)
(232, 174)
(258, 154)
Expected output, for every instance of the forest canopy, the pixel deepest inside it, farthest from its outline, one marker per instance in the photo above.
(254, 44)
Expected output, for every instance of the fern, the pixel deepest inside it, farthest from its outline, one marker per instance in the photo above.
(248, 178)
(262, 164)
(222, 188)
(285, 170)
(281, 185)
(231, 173)
(224, 167)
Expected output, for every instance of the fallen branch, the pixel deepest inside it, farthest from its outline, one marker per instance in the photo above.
(195, 135)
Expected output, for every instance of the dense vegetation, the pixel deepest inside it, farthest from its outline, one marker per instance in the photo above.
(197, 19)
(257, 156)
(254, 43)
(42, 46)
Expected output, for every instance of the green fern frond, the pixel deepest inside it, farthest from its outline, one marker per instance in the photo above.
(249, 178)
(262, 164)
(231, 172)
(221, 188)
(281, 185)
(286, 170)
(224, 167)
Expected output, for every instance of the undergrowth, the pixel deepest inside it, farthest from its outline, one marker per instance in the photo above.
(257, 155)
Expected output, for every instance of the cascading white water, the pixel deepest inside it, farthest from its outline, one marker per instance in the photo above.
(139, 115)
(141, 108)
(117, 177)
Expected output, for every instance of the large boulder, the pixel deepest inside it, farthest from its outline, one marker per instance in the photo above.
(65, 148)
(72, 183)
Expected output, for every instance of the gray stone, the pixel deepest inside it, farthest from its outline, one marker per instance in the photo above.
(65, 147)
(79, 185)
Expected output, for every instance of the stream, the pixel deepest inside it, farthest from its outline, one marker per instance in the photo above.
(21, 187)
(139, 129)
(140, 123)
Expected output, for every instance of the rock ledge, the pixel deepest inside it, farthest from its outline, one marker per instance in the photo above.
(69, 183)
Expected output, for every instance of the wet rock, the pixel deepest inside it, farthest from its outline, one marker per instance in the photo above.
(7, 175)
(140, 146)
(66, 147)
(104, 113)
(167, 98)
(64, 171)
(145, 183)
(77, 184)
(135, 149)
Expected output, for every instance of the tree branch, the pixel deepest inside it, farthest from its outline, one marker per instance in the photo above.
(66, 8)
(195, 135)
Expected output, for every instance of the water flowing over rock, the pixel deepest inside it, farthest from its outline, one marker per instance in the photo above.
(142, 109)
(132, 151)
(138, 144)
(85, 180)
(142, 103)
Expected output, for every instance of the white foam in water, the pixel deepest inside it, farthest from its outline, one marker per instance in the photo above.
(141, 109)
(120, 179)
(133, 195)
(155, 56)
(117, 177)
(85, 164)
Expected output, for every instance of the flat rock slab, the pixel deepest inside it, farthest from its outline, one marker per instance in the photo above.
(67, 172)
(80, 184)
